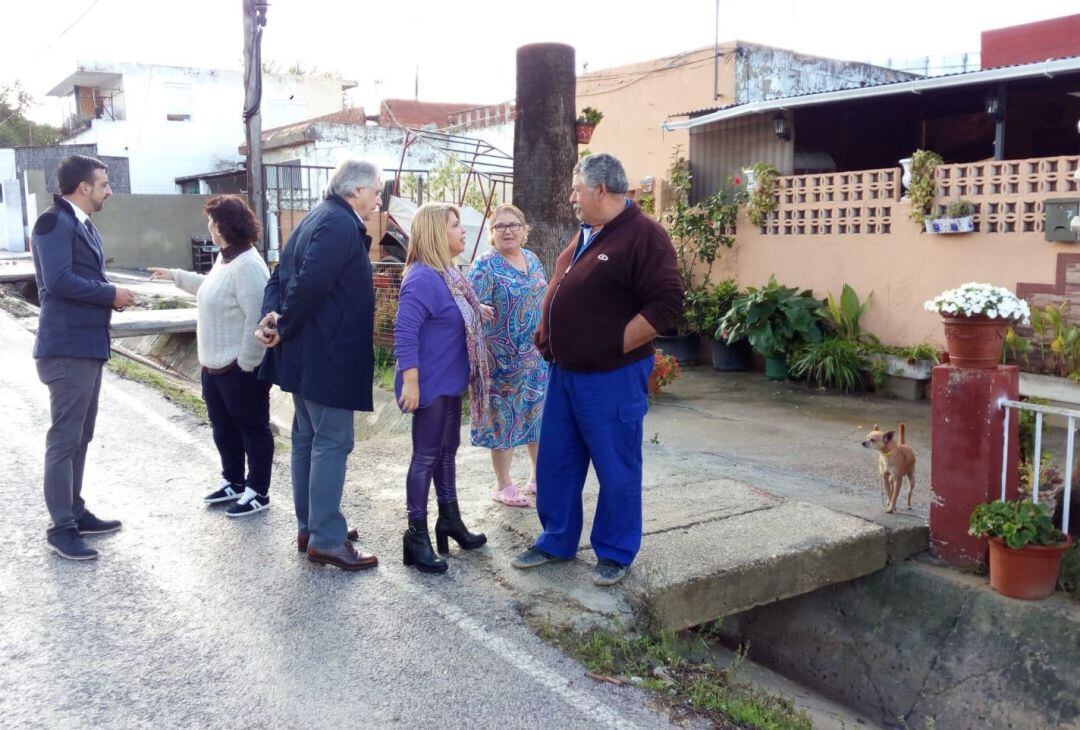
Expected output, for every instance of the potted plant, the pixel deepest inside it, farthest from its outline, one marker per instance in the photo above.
(705, 308)
(665, 371)
(921, 189)
(698, 233)
(976, 317)
(1025, 547)
(586, 123)
(775, 319)
(760, 193)
(959, 217)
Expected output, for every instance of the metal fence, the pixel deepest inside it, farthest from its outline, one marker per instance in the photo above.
(1036, 470)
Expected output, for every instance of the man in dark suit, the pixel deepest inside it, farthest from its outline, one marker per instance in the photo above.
(73, 344)
(319, 310)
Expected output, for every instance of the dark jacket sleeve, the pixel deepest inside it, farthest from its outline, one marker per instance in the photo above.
(540, 336)
(332, 242)
(272, 293)
(657, 282)
(54, 250)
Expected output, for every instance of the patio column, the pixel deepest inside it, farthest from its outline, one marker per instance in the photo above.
(967, 441)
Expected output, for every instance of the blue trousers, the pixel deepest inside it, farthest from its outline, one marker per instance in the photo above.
(322, 438)
(593, 417)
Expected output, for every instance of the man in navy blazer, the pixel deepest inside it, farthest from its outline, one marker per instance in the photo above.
(319, 312)
(73, 344)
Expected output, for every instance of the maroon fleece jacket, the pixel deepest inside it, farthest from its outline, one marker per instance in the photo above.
(628, 269)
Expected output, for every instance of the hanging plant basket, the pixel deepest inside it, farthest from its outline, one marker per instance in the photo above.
(584, 132)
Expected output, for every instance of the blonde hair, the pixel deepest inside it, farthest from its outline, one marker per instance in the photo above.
(512, 210)
(428, 241)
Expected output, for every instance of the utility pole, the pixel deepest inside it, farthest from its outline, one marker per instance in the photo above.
(254, 22)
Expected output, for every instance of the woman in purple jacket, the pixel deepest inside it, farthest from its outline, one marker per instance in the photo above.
(440, 352)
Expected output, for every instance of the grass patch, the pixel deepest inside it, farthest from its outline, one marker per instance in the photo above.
(131, 370)
(171, 303)
(679, 670)
(384, 368)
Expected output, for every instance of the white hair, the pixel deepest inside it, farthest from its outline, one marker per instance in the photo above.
(350, 175)
(602, 169)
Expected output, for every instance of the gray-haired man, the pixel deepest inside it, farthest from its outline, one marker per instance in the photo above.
(615, 286)
(319, 309)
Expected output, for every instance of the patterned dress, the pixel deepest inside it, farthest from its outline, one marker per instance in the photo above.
(518, 372)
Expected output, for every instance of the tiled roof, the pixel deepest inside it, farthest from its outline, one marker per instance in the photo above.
(417, 114)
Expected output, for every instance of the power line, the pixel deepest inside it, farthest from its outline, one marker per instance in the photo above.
(58, 37)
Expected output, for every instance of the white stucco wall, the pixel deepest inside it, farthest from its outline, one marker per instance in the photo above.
(160, 150)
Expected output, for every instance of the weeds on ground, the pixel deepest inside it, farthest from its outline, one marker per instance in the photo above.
(384, 368)
(131, 370)
(1069, 578)
(171, 303)
(678, 668)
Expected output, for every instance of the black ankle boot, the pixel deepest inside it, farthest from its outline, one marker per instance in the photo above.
(416, 545)
(449, 524)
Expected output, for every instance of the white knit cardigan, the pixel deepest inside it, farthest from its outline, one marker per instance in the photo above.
(230, 303)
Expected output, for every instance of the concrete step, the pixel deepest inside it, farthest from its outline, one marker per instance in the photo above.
(15, 271)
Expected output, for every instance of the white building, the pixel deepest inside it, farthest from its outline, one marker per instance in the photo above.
(171, 121)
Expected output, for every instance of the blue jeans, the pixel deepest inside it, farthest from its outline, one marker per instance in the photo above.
(322, 439)
(593, 417)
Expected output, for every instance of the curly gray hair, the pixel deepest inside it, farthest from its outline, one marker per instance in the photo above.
(602, 169)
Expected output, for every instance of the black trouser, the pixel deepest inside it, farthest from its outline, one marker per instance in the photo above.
(238, 404)
(436, 434)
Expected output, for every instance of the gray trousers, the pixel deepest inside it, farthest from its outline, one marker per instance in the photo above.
(74, 385)
(322, 438)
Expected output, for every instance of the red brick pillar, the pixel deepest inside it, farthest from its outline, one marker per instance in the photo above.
(967, 424)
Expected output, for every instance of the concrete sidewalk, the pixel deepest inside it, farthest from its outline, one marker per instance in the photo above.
(755, 492)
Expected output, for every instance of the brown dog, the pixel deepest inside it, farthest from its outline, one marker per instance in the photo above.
(895, 461)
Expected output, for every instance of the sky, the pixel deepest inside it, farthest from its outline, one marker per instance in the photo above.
(465, 51)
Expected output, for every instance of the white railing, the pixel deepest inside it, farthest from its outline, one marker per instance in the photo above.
(1040, 410)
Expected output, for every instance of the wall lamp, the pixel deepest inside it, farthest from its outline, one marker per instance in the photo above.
(780, 126)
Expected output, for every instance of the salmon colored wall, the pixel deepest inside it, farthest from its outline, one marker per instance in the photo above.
(638, 98)
(903, 268)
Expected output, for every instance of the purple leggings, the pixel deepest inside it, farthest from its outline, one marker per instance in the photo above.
(436, 434)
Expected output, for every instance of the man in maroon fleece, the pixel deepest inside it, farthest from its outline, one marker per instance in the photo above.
(612, 290)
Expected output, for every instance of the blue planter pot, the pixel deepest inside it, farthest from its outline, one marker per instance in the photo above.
(730, 358)
(684, 348)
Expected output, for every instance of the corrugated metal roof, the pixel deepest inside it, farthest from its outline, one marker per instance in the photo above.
(962, 78)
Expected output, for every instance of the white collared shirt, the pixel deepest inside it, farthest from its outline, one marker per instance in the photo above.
(80, 214)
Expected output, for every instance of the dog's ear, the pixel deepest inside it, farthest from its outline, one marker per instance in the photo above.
(889, 436)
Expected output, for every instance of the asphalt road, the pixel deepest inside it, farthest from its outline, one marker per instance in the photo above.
(192, 619)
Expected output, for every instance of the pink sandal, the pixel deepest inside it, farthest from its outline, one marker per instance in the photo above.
(510, 496)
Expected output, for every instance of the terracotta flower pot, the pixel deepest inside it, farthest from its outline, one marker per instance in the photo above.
(974, 342)
(584, 132)
(1029, 573)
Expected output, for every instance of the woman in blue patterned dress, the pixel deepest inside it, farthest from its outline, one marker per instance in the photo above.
(511, 279)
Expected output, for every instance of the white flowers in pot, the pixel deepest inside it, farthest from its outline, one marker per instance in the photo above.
(974, 300)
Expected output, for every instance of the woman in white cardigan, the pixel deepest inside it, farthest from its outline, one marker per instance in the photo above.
(238, 403)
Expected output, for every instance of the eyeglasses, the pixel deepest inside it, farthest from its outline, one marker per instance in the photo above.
(503, 227)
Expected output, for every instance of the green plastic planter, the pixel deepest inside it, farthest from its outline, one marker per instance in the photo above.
(776, 368)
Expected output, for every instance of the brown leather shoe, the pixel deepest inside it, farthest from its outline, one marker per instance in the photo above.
(302, 539)
(344, 556)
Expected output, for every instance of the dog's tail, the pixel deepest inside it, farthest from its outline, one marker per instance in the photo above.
(902, 439)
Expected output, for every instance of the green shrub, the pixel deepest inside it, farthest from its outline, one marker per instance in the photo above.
(832, 363)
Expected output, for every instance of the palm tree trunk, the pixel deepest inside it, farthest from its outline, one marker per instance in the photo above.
(545, 146)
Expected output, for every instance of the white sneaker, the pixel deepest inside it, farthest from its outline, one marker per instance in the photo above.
(249, 503)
